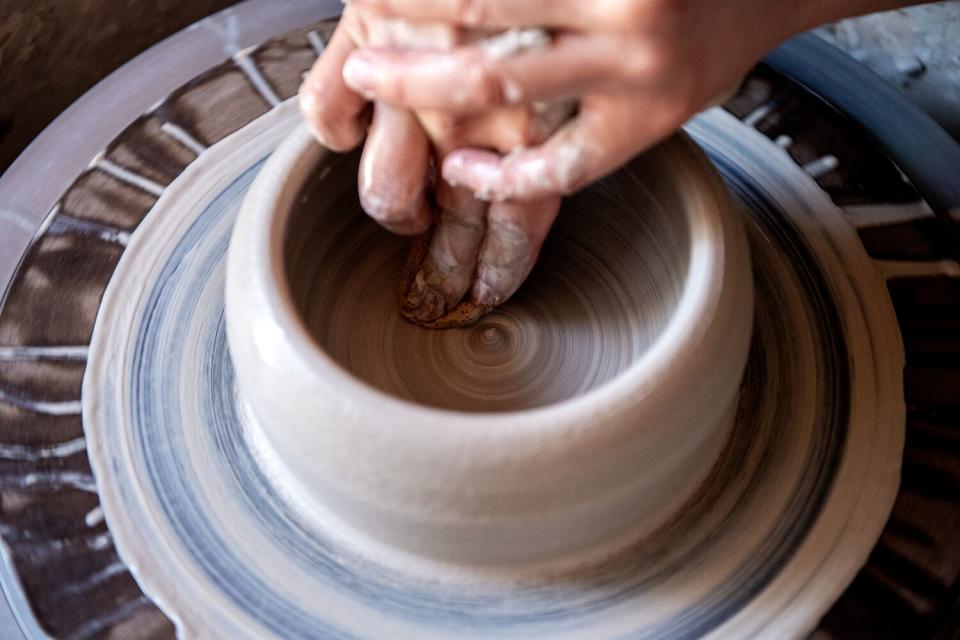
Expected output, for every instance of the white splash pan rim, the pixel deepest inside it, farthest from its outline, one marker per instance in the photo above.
(713, 225)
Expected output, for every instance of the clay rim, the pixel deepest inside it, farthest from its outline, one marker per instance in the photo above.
(713, 224)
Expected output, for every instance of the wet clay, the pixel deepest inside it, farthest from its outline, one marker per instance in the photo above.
(605, 286)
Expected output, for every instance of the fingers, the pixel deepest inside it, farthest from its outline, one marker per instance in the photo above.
(490, 13)
(393, 172)
(502, 129)
(479, 77)
(608, 131)
(504, 251)
(515, 234)
(336, 114)
(442, 273)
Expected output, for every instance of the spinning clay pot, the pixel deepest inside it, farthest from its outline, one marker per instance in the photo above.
(560, 428)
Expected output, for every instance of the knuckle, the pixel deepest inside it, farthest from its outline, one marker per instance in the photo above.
(641, 64)
(485, 88)
(389, 208)
(327, 126)
(335, 135)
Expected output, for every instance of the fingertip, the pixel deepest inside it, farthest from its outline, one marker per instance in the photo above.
(483, 295)
(422, 304)
(339, 134)
(476, 170)
(408, 228)
(310, 111)
(336, 115)
(395, 215)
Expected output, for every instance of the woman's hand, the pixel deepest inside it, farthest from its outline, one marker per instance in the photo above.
(636, 70)
(641, 68)
(475, 254)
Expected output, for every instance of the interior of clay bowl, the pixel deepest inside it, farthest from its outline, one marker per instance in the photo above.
(607, 282)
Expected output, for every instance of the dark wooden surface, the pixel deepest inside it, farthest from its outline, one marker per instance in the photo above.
(69, 568)
(52, 51)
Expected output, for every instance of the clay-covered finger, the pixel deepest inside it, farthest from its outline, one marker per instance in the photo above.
(607, 132)
(393, 171)
(336, 114)
(515, 234)
(502, 70)
(447, 265)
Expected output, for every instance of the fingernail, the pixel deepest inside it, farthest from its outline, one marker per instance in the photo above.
(316, 133)
(308, 107)
(405, 227)
(360, 74)
(429, 309)
(308, 100)
(422, 303)
(453, 167)
(484, 295)
(432, 307)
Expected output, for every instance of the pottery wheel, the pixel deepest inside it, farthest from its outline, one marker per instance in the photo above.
(838, 234)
